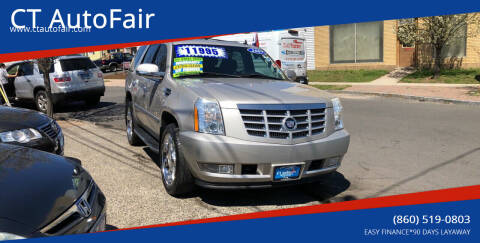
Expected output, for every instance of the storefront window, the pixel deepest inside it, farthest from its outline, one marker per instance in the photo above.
(352, 43)
(457, 46)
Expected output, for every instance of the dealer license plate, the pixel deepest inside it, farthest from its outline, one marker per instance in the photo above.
(85, 75)
(286, 172)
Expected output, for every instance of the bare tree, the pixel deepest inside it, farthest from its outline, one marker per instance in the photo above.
(45, 64)
(438, 32)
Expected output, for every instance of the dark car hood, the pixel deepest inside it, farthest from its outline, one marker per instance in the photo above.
(232, 91)
(36, 187)
(16, 118)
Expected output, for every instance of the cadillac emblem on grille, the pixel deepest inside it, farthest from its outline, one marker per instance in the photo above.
(84, 207)
(290, 123)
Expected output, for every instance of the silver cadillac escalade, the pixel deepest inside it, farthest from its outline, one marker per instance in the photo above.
(223, 115)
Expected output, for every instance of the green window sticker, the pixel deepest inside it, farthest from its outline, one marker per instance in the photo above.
(187, 66)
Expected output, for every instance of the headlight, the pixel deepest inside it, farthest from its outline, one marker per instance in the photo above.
(208, 117)
(20, 136)
(337, 112)
(8, 236)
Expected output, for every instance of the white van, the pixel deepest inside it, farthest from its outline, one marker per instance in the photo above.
(286, 47)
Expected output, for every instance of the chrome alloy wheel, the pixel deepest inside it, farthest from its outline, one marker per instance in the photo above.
(169, 159)
(42, 102)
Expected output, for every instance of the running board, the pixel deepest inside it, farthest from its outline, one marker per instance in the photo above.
(147, 139)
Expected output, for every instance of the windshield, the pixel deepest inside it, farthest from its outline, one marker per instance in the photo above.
(226, 61)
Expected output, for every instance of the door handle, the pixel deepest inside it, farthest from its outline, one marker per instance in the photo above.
(167, 91)
(144, 88)
(133, 84)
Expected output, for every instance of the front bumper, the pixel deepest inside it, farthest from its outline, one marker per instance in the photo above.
(264, 157)
(78, 95)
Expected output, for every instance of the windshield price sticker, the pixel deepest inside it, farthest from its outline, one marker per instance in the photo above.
(256, 51)
(187, 66)
(200, 51)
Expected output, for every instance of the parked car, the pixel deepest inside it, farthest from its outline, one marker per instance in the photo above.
(114, 62)
(71, 78)
(223, 115)
(286, 47)
(30, 129)
(46, 195)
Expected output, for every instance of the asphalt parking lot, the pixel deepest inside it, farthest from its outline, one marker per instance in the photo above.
(397, 146)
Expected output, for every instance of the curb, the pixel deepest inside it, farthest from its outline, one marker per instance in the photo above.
(409, 97)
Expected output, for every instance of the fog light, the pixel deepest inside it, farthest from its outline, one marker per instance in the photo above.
(216, 168)
(332, 162)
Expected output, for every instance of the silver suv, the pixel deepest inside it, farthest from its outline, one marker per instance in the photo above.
(71, 78)
(223, 115)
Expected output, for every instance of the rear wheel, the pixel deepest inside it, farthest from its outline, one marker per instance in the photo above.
(303, 81)
(176, 175)
(113, 68)
(132, 138)
(42, 101)
(93, 101)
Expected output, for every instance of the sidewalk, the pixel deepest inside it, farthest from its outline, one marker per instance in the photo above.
(389, 84)
(464, 93)
(398, 84)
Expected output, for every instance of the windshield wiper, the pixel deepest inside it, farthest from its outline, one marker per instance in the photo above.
(211, 74)
(256, 75)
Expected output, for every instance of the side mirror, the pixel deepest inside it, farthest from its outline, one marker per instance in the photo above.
(291, 75)
(150, 70)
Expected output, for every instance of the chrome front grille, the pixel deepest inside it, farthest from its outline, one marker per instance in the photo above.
(270, 121)
(51, 129)
(74, 215)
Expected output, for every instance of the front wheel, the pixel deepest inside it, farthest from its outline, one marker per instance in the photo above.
(176, 176)
(113, 68)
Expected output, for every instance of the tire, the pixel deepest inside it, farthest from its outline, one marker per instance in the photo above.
(113, 68)
(41, 99)
(132, 137)
(93, 101)
(303, 81)
(182, 181)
